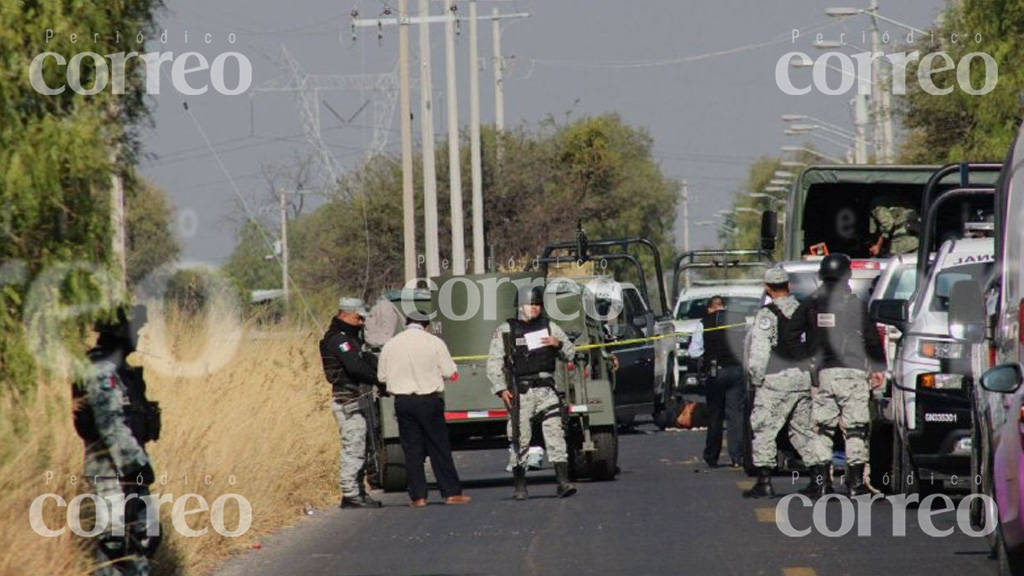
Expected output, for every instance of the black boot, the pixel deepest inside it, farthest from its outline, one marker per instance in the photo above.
(820, 484)
(855, 480)
(519, 483)
(565, 488)
(360, 501)
(763, 487)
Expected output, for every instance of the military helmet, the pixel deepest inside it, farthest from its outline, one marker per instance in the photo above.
(834, 268)
(126, 323)
(533, 295)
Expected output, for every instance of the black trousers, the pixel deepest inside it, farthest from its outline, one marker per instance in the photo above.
(727, 400)
(423, 432)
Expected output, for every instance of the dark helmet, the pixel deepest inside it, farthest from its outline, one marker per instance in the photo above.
(834, 268)
(535, 295)
(126, 323)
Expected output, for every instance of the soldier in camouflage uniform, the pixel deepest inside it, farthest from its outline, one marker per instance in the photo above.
(783, 390)
(538, 400)
(352, 374)
(895, 227)
(844, 347)
(115, 420)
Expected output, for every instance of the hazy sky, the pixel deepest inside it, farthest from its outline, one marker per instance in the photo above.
(709, 116)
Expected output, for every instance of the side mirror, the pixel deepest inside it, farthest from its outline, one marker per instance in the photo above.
(891, 312)
(769, 230)
(1004, 379)
(967, 312)
(644, 321)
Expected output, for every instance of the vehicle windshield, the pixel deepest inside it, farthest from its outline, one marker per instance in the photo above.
(945, 280)
(697, 308)
(902, 284)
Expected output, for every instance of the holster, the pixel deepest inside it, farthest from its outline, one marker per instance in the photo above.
(815, 380)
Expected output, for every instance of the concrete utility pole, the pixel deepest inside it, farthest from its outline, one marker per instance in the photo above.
(474, 144)
(499, 70)
(427, 136)
(454, 160)
(876, 88)
(405, 110)
(117, 224)
(686, 227)
(284, 245)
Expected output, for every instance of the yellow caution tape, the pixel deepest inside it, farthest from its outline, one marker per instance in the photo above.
(616, 343)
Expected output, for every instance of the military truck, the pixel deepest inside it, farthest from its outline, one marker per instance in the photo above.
(466, 311)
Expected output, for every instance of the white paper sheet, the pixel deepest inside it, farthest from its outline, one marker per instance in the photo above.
(533, 339)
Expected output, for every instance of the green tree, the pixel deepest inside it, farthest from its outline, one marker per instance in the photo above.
(252, 265)
(958, 126)
(151, 243)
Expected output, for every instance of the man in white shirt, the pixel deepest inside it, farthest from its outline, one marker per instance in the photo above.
(414, 365)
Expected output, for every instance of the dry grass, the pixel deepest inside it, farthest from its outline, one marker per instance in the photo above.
(261, 417)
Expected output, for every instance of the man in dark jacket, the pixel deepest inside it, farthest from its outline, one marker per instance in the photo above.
(719, 341)
(352, 375)
(846, 352)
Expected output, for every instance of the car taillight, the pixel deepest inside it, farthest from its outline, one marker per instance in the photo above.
(882, 330)
(1020, 320)
(865, 265)
(991, 356)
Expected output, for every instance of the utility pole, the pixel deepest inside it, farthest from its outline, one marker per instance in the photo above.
(284, 244)
(876, 87)
(499, 70)
(686, 227)
(474, 144)
(405, 111)
(454, 161)
(427, 137)
(117, 220)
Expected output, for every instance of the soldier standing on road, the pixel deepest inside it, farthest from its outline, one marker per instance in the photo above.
(535, 372)
(783, 391)
(352, 375)
(414, 365)
(844, 347)
(718, 340)
(114, 418)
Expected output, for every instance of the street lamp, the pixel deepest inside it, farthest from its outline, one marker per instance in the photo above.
(845, 146)
(779, 182)
(792, 164)
(745, 210)
(812, 152)
(776, 189)
(783, 174)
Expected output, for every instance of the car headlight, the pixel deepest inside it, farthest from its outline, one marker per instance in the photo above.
(940, 349)
(936, 381)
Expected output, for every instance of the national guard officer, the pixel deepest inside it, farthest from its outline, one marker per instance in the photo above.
(783, 391)
(114, 418)
(535, 363)
(843, 347)
(896, 228)
(352, 374)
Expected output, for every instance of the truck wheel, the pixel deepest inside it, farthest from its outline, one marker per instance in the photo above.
(662, 416)
(394, 476)
(1011, 562)
(604, 460)
(902, 467)
(881, 457)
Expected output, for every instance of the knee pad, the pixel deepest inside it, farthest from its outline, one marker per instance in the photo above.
(829, 431)
(113, 547)
(860, 432)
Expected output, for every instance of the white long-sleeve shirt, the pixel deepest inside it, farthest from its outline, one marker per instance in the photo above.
(415, 362)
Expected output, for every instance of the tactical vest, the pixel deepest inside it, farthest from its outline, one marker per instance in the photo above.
(837, 321)
(141, 415)
(723, 345)
(529, 363)
(782, 356)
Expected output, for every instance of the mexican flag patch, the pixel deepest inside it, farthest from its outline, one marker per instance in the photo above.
(345, 347)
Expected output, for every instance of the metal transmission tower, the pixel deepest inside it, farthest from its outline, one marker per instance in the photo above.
(308, 86)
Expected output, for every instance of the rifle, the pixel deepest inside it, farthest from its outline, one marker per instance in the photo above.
(512, 386)
(371, 412)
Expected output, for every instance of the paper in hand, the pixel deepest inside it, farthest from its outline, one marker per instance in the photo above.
(533, 339)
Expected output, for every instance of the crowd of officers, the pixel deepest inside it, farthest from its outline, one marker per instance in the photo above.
(813, 366)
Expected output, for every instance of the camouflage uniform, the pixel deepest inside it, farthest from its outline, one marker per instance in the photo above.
(116, 454)
(894, 224)
(843, 393)
(780, 397)
(534, 402)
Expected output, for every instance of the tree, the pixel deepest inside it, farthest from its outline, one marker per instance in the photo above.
(150, 241)
(252, 265)
(958, 126)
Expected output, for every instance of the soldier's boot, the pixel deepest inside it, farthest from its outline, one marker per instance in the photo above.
(359, 501)
(763, 487)
(519, 483)
(565, 488)
(855, 480)
(820, 482)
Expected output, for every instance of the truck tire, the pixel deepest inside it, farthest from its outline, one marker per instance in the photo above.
(662, 415)
(902, 466)
(881, 455)
(394, 476)
(604, 460)
(1011, 563)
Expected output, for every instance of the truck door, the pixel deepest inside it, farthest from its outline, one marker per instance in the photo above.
(635, 381)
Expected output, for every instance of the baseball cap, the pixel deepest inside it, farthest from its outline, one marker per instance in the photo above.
(353, 305)
(776, 275)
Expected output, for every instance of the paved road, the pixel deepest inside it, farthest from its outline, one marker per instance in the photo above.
(666, 514)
